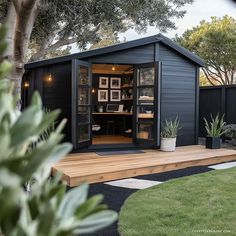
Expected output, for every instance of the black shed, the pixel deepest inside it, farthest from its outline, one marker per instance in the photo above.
(118, 96)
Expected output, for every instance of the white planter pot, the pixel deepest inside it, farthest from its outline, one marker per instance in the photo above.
(168, 144)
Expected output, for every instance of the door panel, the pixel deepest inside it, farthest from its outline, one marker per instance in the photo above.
(83, 83)
(145, 104)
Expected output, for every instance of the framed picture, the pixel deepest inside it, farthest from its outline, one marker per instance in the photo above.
(102, 95)
(115, 95)
(103, 82)
(115, 83)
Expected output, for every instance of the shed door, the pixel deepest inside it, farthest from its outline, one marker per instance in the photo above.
(146, 125)
(82, 83)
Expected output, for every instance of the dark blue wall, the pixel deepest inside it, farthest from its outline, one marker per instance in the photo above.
(143, 54)
(178, 93)
(56, 94)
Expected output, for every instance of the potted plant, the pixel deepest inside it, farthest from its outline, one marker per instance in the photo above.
(168, 135)
(214, 129)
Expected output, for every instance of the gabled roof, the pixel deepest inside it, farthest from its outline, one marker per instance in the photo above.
(118, 47)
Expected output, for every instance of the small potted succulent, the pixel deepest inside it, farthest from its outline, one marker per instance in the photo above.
(168, 135)
(215, 129)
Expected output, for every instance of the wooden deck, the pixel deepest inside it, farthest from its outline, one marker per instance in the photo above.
(92, 168)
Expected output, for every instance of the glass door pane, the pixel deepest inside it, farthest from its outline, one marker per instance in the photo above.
(83, 104)
(146, 76)
(145, 107)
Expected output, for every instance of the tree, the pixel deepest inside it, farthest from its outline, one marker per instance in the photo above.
(108, 37)
(48, 209)
(52, 24)
(215, 42)
(203, 81)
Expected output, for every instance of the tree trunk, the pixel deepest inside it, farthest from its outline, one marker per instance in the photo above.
(25, 17)
(10, 22)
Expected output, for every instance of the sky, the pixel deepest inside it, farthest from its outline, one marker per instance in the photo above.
(199, 10)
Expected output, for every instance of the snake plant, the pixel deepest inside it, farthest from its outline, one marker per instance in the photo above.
(215, 128)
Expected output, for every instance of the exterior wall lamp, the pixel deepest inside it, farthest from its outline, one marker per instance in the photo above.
(49, 78)
(26, 84)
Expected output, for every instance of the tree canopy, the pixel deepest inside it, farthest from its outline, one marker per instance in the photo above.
(63, 22)
(45, 26)
(215, 42)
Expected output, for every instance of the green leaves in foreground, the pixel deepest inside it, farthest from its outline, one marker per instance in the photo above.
(27, 154)
(48, 209)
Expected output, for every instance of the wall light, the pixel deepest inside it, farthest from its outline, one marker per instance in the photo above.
(50, 78)
(26, 84)
(93, 90)
(113, 68)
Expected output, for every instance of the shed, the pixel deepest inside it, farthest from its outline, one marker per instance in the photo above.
(118, 96)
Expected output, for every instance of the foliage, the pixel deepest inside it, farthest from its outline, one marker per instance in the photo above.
(192, 205)
(34, 47)
(215, 42)
(48, 209)
(203, 81)
(215, 128)
(170, 128)
(108, 37)
(61, 23)
(231, 132)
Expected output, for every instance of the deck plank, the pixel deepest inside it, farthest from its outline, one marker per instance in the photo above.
(92, 168)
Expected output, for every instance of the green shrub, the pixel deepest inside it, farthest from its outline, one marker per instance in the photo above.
(231, 132)
(48, 210)
(215, 128)
(170, 128)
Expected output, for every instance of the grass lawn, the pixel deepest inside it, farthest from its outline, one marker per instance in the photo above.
(203, 204)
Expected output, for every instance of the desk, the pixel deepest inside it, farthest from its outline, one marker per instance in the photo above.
(114, 115)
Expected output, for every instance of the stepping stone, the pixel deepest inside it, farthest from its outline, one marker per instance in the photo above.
(133, 183)
(223, 166)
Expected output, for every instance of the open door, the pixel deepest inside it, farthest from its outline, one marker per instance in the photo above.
(81, 105)
(146, 105)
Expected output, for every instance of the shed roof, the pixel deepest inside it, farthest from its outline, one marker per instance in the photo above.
(122, 46)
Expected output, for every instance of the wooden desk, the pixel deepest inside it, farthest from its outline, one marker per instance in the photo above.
(118, 115)
(114, 113)
(141, 115)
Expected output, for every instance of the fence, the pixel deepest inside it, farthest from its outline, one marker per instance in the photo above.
(217, 99)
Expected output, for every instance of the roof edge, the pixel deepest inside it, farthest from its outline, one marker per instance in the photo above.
(119, 47)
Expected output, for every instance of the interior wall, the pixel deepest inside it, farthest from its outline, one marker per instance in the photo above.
(95, 85)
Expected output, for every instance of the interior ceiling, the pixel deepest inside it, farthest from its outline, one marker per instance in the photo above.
(107, 69)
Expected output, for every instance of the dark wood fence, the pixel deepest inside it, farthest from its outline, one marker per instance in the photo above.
(217, 99)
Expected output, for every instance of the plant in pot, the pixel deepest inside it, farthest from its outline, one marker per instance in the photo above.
(215, 129)
(168, 135)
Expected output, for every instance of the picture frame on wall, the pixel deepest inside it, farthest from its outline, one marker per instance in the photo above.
(115, 95)
(115, 83)
(102, 95)
(103, 82)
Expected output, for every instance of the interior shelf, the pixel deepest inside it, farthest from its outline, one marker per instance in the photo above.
(127, 99)
(126, 86)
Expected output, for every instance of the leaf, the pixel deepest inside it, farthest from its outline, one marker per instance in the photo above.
(96, 222)
(88, 207)
(36, 100)
(72, 200)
